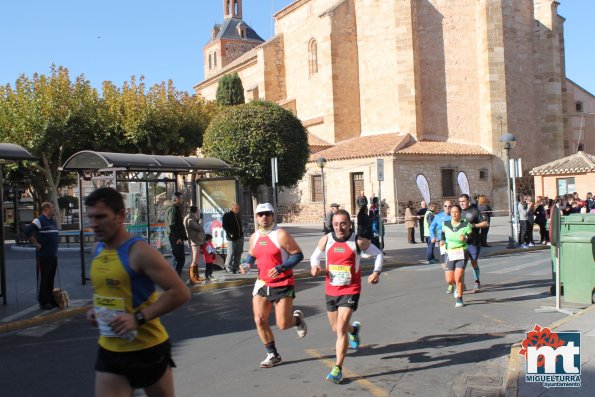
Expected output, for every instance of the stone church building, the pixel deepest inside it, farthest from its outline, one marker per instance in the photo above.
(427, 85)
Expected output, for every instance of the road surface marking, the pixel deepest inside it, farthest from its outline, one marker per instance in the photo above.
(357, 378)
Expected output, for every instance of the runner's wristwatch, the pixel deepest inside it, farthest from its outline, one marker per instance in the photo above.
(140, 318)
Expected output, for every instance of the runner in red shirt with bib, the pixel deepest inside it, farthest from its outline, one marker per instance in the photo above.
(275, 253)
(344, 282)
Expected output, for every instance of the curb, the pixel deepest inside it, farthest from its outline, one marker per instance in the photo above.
(514, 361)
(42, 319)
(17, 248)
(507, 251)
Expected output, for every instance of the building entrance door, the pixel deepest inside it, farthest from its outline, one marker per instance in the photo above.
(357, 185)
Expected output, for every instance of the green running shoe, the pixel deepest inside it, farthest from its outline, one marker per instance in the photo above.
(335, 376)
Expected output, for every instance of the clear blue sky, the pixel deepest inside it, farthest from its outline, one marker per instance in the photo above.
(113, 40)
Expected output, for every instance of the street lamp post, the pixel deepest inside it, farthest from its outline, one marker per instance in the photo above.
(321, 163)
(508, 141)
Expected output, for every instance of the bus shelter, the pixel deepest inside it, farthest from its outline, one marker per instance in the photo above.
(8, 152)
(147, 183)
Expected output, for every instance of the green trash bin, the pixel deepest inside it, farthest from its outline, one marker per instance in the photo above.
(577, 266)
(570, 224)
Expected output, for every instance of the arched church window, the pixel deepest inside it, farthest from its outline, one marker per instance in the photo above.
(210, 60)
(313, 57)
(215, 58)
(236, 10)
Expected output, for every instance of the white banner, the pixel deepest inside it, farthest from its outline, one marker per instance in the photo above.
(464, 183)
(424, 188)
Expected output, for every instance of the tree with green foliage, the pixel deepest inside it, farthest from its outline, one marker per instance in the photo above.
(53, 118)
(158, 121)
(248, 136)
(230, 90)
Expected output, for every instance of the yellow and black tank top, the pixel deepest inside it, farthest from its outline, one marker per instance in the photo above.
(117, 288)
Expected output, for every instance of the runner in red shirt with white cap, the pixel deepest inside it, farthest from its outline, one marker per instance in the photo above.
(276, 253)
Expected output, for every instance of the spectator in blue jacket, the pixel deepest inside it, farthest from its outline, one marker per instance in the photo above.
(45, 236)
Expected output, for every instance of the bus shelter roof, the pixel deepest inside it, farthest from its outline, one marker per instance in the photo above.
(88, 160)
(11, 151)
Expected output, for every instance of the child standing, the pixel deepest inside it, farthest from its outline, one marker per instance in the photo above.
(209, 254)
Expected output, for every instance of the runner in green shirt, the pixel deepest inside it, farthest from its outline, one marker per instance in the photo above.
(454, 236)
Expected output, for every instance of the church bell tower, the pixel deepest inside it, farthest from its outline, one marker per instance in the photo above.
(229, 40)
(232, 9)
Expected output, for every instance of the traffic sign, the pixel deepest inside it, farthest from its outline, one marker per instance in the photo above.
(380, 170)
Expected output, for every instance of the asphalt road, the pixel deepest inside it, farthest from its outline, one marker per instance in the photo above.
(414, 341)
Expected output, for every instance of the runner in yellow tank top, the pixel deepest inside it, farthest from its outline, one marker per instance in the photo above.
(134, 350)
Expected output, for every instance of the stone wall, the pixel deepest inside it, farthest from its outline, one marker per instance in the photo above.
(312, 92)
(377, 65)
(271, 60)
(345, 72)
(448, 53)
(580, 127)
(549, 82)
(233, 49)
(398, 187)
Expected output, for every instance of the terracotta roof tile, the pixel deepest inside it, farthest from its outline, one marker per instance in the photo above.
(444, 149)
(576, 163)
(364, 146)
(313, 140)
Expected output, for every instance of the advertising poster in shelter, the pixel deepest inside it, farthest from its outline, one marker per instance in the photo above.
(215, 197)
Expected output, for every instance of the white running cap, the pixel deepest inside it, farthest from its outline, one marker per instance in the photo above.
(264, 207)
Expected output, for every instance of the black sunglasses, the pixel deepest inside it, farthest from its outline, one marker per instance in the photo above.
(267, 213)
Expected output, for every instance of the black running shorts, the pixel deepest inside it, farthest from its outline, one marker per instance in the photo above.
(142, 368)
(276, 294)
(334, 302)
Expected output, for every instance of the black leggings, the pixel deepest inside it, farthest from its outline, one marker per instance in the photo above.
(543, 233)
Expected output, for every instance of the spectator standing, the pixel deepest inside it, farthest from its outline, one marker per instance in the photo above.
(421, 212)
(232, 224)
(428, 218)
(196, 238)
(374, 215)
(177, 232)
(45, 236)
(361, 200)
(486, 211)
(589, 202)
(364, 224)
(541, 220)
(328, 219)
(410, 222)
(525, 211)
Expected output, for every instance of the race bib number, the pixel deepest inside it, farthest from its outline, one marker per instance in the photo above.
(106, 308)
(339, 275)
(456, 254)
(258, 285)
(442, 249)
